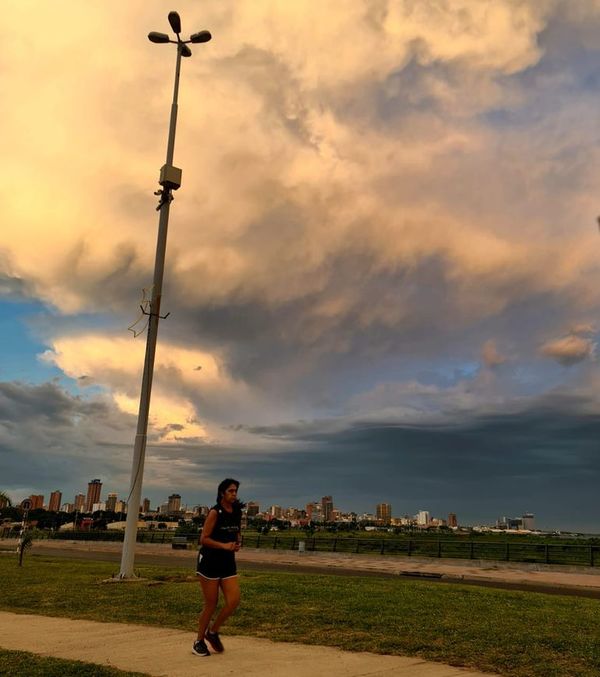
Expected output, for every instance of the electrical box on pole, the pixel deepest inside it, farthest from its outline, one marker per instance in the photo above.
(170, 177)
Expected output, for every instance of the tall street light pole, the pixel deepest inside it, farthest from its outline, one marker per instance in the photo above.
(170, 180)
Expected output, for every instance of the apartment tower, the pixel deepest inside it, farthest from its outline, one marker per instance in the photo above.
(384, 513)
(174, 504)
(55, 499)
(93, 494)
(327, 508)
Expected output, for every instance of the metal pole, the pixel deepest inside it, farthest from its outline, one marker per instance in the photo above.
(139, 449)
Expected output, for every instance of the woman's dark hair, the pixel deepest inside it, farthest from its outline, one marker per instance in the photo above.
(224, 484)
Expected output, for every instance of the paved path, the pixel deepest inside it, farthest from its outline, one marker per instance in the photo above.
(167, 653)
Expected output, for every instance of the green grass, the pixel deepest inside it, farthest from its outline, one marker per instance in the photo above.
(25, 664)
(516, 634)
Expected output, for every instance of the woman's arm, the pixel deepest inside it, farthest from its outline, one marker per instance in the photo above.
(207, 529)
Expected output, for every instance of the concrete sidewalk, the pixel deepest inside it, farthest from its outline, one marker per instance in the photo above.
(167, 653)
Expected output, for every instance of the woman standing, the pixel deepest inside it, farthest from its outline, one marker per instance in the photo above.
(220, 540)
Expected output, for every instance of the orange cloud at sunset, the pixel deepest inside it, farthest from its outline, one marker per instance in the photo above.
(387, 218)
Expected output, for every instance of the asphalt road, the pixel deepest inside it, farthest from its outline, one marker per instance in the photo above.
(159, 559)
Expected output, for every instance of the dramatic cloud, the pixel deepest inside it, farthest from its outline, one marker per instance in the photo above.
(570, 349)
(479, 465)
(387, 210)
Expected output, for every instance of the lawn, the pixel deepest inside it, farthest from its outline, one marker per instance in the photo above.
(25, 664)
(513, 633)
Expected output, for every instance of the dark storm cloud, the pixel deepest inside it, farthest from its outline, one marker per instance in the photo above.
(262, 338)
(50, 438)
(544, 458)
(47, 402)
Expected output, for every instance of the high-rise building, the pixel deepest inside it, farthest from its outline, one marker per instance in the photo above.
(452, 521)
(111, 502)
(55, 499)
(276, 511)
(37, 501)
(174, 504)
(146, 505)
(93, 494)
(252, 509)
(120, 506)
(423, 518)
(528, 521)
(79, 502)
(384, 513)
(314, 512)
(327, 508)
(68, 507)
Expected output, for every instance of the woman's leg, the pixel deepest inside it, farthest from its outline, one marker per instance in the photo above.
(210, 591)
(231, 592)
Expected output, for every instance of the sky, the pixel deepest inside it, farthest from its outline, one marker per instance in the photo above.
(383, 263)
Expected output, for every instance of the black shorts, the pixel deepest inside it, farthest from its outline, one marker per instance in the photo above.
(216, 568)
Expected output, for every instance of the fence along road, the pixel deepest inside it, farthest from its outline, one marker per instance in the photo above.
(586, 555)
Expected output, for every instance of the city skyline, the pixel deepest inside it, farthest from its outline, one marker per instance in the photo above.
(383, 263)
(321, 510)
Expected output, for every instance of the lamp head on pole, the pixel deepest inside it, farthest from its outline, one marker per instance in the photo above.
(202, 36)
(175, 22)
(158, 37)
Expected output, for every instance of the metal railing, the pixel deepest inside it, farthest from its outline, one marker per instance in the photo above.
(506, 551)
(540, 553)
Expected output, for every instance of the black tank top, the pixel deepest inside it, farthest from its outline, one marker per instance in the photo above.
(226, 529)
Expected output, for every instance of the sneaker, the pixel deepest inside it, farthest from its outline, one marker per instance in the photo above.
(200, 648)
(215, 641)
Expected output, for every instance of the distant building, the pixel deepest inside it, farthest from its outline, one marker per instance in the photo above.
(252, 509)
(120, 506)
(68, 507)
(314, 512)
(452, 521)
(174, 503)
(37, 501)
(528, 521)
(423, 518)
(54, 502)
(98, 506)
(93, 494)
(111, 502)
(276, 511)
(384, 512)
(79, 502)
(146, 505)
(327, 508)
